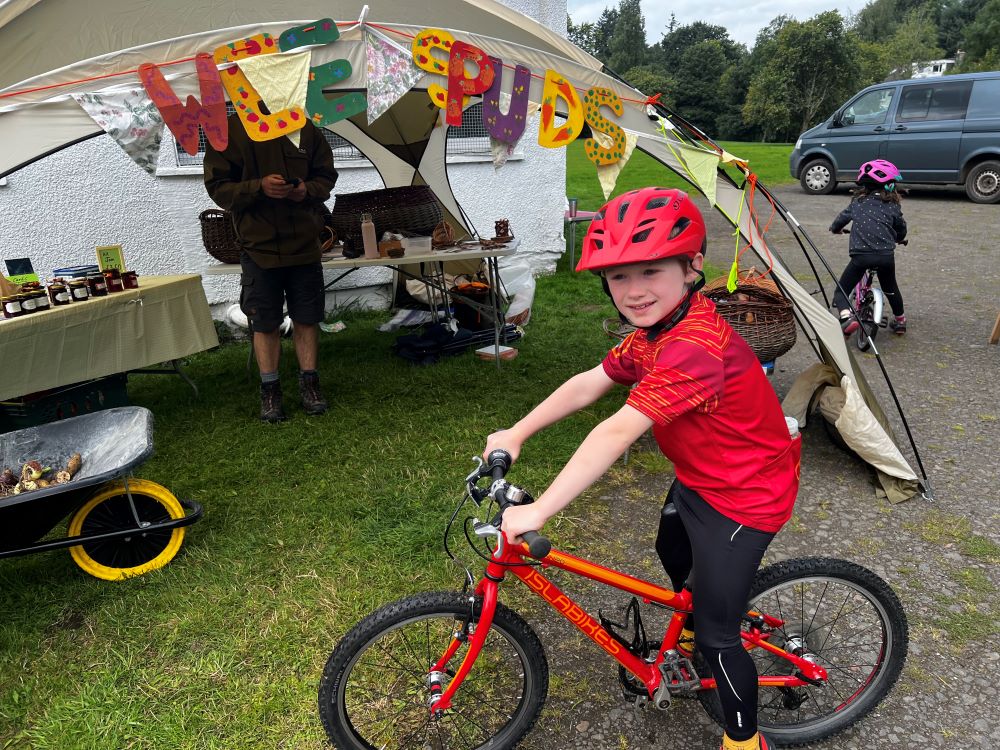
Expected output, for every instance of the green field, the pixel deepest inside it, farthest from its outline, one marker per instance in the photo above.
(768, 160)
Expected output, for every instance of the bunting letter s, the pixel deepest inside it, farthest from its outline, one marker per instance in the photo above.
(184, 119)
(557, 87)
(259, 126)
(321, 110)
(595, 98)
(423, 45)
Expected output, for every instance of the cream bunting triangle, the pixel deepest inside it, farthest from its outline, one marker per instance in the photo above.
(281, 80)
(607, 174)
(132, 121)
(391, 73)
(702, 167)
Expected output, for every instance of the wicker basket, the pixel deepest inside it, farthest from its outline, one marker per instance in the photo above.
(219, 236)
(758, 312)
(410, 210)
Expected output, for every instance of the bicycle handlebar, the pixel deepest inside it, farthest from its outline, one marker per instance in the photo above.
(498, 463)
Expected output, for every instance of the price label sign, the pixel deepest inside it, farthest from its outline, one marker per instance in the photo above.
(20, 270)
(110, 257)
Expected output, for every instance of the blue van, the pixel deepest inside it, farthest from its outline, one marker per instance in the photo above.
(943, 131)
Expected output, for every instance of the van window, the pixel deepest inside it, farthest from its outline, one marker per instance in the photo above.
(869, 109)
(940, 101)
(985, 100)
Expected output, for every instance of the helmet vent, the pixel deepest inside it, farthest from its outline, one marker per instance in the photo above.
(659, 202)
(599, 244)
(622, 210)
(680, 226)
(641, 236)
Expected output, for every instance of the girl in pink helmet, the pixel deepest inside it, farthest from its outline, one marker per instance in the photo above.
(878, 227)
(713, 413)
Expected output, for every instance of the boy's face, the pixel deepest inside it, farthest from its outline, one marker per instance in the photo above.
(646, 293)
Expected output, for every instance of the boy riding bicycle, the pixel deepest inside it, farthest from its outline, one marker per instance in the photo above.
(878, 227)
(713, 414)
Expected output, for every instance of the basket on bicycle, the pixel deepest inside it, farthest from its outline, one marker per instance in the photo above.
(411, 209)
(757, 311)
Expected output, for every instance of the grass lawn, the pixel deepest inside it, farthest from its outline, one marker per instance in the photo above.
(768, 160)
(308, 526)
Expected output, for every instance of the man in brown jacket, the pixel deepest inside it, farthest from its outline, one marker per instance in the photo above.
(276, 193)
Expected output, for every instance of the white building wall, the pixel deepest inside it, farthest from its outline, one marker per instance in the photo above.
(59, 209)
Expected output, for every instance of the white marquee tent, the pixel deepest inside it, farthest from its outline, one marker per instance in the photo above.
(57, 47)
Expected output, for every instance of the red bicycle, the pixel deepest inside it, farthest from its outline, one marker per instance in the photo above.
(459, 670)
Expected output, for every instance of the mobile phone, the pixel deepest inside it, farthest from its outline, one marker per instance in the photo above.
(294, 182)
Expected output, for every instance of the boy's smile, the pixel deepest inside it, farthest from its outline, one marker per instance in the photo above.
(646, 293)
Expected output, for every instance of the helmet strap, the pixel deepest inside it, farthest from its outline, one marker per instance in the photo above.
(680, 313)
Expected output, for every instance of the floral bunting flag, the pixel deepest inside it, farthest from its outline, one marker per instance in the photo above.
(391, 73)
(607, 174)
(281, 80)
(131, 119)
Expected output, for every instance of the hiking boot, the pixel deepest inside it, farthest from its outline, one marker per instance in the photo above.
(270, 402)
(312, 400)
(898, 325)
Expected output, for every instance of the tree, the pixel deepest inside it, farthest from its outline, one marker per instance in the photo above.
(953, 18)
(603, 30)
(811, 67)
(582, 36)
(672, 47)
(698, 75)
(914, 41)
(652, 80)
(628, 41)
(983, 35)
(733, 92)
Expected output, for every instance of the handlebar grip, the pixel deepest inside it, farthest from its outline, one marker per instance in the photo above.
(498, 463)
(538, 545)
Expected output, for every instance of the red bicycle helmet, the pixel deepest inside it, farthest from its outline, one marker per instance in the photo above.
(641, 226)
(880, 171)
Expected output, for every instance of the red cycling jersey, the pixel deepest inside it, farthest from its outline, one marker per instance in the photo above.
(716, 416)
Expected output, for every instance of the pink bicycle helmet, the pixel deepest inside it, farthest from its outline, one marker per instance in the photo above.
(641, 226)
(880, 171)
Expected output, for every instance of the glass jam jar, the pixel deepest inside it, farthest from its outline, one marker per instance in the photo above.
(130, 279)
(27, 300)
(97, 285)
(41, 298)
(113, 278)
(58, 293)
(79, 290)
(11, 306)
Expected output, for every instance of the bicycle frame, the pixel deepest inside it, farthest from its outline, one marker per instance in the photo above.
(865, 285)
(507, 557)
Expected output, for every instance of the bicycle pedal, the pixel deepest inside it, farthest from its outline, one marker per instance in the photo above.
(679, 675)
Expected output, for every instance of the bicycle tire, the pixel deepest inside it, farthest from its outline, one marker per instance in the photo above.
(845, 708)
(868, 327)
(395, 701)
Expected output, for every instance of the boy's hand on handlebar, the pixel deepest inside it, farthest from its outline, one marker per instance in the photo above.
(519, 519)
(503, 440)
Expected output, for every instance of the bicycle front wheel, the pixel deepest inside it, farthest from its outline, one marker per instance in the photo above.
(375, 691)
(847, 620)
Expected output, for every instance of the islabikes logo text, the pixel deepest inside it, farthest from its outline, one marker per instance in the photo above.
(573, 613)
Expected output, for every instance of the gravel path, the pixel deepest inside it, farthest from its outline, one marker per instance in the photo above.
(940, 557)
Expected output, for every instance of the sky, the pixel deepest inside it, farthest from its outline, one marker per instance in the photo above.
(742, 18)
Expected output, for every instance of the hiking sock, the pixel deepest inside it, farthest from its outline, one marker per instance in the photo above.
(269, 377)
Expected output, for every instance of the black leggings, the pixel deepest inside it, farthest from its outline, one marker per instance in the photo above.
(856, 267)
(724, 555)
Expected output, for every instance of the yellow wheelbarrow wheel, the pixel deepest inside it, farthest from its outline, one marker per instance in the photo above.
(109, 510)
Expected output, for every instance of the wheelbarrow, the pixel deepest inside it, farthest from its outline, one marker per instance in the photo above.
(119, 526)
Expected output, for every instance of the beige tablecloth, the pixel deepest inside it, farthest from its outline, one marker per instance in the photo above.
(166, 318)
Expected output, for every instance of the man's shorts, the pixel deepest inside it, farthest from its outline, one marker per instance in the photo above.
(265, 290)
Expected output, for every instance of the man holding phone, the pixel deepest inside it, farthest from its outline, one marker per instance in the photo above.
(276, 193)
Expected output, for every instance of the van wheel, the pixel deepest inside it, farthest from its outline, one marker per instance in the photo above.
(983, 183)
(817, 177)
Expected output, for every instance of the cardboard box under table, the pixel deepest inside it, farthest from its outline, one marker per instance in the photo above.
(165, 319)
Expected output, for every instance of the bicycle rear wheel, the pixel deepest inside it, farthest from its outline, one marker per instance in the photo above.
(852, 624)
(869, 326)
(374, 692)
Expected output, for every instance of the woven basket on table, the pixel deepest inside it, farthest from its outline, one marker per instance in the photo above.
(411, 209)
(219, 236)
(757, 311)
